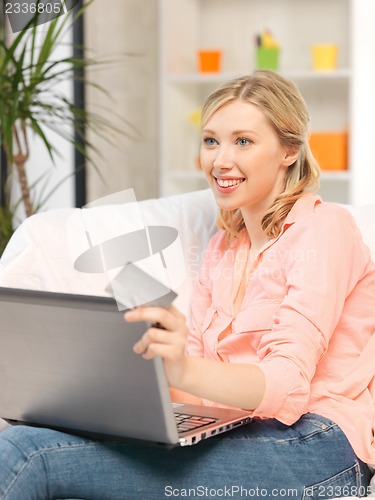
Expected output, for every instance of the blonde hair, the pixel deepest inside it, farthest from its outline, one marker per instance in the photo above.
(284, 107)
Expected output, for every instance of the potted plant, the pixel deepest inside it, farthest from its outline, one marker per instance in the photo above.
(30, 104)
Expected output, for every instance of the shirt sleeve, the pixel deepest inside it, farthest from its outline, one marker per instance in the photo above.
(325, 260)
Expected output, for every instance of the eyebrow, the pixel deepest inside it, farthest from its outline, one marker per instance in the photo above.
(235, 132)
(245, 131)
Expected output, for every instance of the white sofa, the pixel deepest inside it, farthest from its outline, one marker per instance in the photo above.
(42, 251)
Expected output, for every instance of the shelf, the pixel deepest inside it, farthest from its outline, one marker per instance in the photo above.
(326, 175)
(335, 175)
(338, 74)
(217, 78)
(188, 25)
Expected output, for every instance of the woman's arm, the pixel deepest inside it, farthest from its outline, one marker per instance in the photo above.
(237, 385)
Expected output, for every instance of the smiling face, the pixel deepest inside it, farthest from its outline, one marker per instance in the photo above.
(242, 158)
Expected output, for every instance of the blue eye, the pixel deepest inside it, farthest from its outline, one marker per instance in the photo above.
(209, 141)
(242, 141)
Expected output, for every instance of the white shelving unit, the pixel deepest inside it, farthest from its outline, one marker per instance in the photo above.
(231, 25)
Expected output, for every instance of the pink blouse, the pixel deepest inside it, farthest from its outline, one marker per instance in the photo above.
(307, 318)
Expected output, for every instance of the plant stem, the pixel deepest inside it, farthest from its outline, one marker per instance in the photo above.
(19, 160)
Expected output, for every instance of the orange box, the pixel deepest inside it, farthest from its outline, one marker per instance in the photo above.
(209, 61)
(330, 149)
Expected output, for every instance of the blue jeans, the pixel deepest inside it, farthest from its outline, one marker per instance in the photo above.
(311, 459)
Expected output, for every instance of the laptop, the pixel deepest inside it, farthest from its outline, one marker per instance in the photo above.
(66, 362)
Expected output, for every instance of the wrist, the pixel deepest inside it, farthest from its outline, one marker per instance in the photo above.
(191, 374)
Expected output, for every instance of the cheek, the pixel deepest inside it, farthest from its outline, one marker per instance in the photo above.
(205, 161)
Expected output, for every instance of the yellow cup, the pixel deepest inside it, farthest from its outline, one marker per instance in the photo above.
(324, 57)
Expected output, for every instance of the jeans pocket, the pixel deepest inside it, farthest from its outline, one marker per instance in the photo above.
(344, 484)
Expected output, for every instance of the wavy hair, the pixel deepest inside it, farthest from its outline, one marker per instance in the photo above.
(284, 107)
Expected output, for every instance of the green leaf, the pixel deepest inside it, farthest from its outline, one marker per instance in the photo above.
(35, 126)
(29, 74)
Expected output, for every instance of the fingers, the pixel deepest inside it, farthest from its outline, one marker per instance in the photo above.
(169, 319)
(166, 337)
(177, 313)
(156, 342)
(152, 335)
(167, 342)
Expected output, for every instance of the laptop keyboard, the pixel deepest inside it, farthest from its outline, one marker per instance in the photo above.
(187, 423)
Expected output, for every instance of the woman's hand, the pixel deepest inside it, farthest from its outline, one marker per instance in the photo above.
(167, 340)
(231, 384)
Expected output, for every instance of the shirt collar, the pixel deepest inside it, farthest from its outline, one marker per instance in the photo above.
(303, 206)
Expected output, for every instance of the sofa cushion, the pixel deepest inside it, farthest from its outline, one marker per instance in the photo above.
(42, 251)
(365, 218)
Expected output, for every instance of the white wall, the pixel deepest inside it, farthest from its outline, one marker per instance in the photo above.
(125, 32)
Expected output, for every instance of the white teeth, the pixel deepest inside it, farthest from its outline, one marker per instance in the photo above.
(228, 183)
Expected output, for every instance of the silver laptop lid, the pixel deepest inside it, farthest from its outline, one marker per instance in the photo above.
(67, 361)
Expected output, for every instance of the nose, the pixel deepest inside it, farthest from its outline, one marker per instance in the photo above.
(224, 158)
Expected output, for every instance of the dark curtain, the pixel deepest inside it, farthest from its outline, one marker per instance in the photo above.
(3, 165)
(79, 99)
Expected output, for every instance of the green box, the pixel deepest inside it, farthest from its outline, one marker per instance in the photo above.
(267, 57)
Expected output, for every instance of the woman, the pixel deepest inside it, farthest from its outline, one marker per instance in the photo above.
(283, 325)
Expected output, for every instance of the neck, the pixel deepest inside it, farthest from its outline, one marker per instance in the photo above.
(257, 236)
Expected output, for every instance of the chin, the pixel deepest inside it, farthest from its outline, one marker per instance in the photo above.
(224, 204)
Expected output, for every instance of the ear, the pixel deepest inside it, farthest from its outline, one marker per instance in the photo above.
(290, 157)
